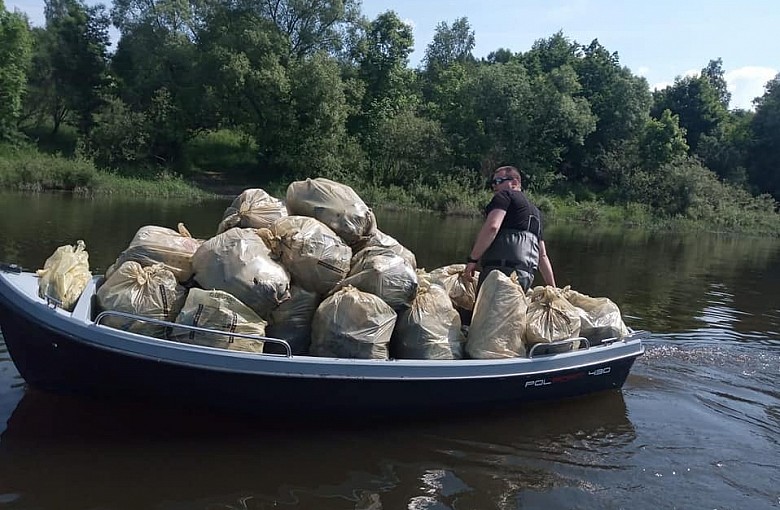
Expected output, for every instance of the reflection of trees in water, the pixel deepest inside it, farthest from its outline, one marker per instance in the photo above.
(39, 223)
(106, 455)
(666, 280)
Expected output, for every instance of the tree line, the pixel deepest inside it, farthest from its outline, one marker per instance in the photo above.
(313, 87)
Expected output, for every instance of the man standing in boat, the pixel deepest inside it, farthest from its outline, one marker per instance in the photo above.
(511, 239)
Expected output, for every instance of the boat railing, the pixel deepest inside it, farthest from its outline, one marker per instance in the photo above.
(551, 346)
(53, 302)
(584, 343)
(198, 329)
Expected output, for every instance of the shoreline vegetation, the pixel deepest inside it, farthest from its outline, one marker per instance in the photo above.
(27, 169)
(198, 98)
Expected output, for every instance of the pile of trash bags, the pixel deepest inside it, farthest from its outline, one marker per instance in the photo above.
(315, 270)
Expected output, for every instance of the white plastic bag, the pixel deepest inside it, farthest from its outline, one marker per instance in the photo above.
(352, 324)
(430, 328)
(382, 272)
(291, 321)
(462, 292)
(334, 204)
(150, 291)
(239, 262)
(315, 256)
(216, 309)
(159, 245)
(600, 317)
(253, 208)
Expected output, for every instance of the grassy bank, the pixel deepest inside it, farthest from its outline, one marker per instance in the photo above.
(27, 169)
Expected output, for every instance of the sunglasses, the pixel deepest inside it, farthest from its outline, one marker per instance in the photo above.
(499, 180)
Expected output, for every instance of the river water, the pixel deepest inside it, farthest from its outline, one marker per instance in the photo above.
(697, 424)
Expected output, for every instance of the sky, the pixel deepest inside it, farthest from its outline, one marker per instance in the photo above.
(657, 39)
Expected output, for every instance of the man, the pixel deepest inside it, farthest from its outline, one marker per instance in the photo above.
(511, 239)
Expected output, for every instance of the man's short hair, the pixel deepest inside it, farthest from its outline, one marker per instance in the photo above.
(511, 171)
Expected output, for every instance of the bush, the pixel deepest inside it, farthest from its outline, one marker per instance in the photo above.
(119, 138)
(225, 150)
(30, 170)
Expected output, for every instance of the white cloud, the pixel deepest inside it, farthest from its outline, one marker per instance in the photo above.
(660, 85)
(747, 83)
(642, 71)
(410, 22)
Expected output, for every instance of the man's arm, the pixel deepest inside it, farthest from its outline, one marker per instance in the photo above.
(545, 266)
(485, 237)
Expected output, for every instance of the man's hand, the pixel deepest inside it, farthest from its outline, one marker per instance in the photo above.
(468, 273)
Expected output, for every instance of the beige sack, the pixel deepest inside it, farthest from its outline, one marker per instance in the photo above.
(315, 256)
(430, 328)
(159, 245)
(150, 291)
(239, 262)
(382, 240)
(551, 318)
(499, 320)
(385, 274)
(352, 324)
(462, 292)
(253, 208)
(600, 317)
(65, 275)
(215, 309)
(334, 204)
(291, 321)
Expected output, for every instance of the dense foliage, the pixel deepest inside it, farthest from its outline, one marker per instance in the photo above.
(272, 90)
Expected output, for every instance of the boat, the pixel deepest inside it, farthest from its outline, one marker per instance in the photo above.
(76, 352)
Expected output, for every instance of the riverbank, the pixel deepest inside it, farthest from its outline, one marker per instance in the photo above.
(32, 171)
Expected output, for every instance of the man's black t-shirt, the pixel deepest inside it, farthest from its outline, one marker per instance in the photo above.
(521, 214)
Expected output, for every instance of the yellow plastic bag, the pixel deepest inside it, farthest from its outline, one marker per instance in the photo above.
(600, 316)
(65, 274)
(551, 318)
(499, 321)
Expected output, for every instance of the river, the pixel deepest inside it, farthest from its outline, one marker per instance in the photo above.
(697, 424)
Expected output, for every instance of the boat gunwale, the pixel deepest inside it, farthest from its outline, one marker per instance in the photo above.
(70, 325)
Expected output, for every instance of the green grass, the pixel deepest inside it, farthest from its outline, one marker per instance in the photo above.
(226, 151)
(26, 169)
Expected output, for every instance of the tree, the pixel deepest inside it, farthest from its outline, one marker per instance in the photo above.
(315, 139)
(180, 18)
(508, 116)
(662, 141)
(499, 56)
(160, 70)
(620, 102)
(382, 56)
(725, 151)
(448, 60)
(450, 45)
(548, 54)
(764, 153)
(698, 104)
(310, 26)
(15, 52)
(245, 72)
(70, 66)
(714, 74)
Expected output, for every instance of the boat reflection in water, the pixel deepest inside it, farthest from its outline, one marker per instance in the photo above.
(60, 451)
